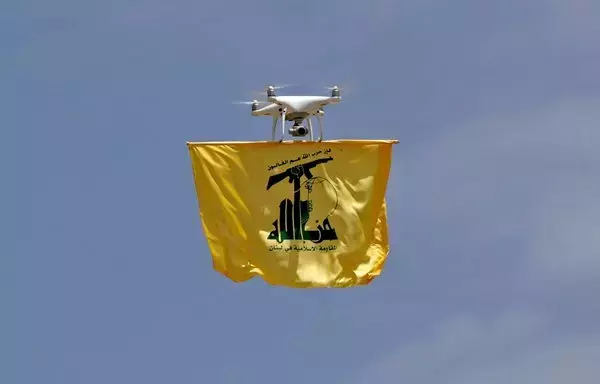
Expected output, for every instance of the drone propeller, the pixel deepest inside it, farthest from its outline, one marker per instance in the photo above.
(250, 102)
(261, 92)
(343, 89)
(278, 86)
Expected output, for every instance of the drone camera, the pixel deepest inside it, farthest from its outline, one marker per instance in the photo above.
(298, 131)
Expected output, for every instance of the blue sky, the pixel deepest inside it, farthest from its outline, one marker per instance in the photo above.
(494, 196)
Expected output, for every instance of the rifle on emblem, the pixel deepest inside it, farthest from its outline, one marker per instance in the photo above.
(296, 172)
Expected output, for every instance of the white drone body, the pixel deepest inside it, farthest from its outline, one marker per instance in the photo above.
(296, 109)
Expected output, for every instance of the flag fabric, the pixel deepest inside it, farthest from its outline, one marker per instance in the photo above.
(298, 214)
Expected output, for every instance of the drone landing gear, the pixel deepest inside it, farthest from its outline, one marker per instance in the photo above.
(320, 128)
(309, 123)
(283, 112)
(275, 118)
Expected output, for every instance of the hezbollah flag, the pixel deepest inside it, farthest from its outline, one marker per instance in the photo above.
(299, 214)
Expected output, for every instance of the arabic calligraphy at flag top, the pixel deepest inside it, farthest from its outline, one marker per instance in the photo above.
(301, 214)
(303, 157)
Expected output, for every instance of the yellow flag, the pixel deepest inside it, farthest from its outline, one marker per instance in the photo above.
(299, 214)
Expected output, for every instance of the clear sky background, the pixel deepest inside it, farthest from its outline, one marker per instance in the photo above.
(494, 196)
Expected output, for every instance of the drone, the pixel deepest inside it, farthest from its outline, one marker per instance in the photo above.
(294, 108)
